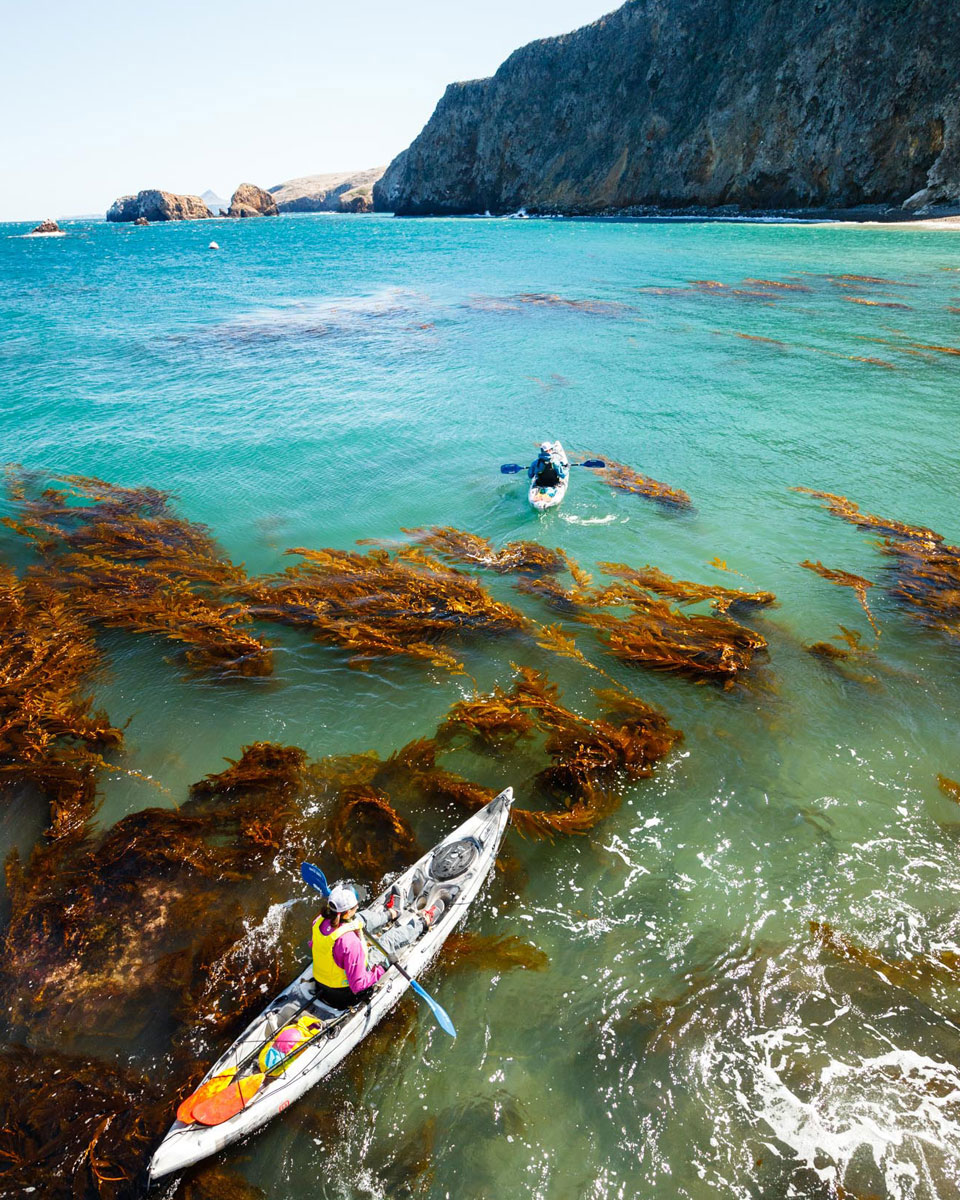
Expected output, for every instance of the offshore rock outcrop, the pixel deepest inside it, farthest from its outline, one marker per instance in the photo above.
(154, 205)
(344, 191)
(251, 201)
(702, 103)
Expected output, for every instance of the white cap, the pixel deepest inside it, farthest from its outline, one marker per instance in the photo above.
(342, 899)
(546, 445)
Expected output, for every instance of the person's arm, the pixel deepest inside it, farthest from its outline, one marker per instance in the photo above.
(348, 954)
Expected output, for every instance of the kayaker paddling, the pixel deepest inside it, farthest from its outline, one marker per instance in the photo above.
(549, 468)
(345, 966)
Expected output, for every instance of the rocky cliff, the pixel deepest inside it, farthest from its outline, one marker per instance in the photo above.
(158, 206)
(344, 191)
(251, 201)
(683, 103)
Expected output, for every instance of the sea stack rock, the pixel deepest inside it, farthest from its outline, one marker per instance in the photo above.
(251, 201)
(155, 205)
(47, 226)
(341, 191)
(141, 221)
(674, 104)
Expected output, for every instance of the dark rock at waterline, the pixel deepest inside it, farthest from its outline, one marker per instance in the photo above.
(46, 226)
(681, 103)
(356, 204)
(141, 221)
(251, 201)
(154, 205)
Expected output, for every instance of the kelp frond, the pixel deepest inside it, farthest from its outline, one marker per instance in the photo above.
(379, 604)
(624, 479)
(856, 583)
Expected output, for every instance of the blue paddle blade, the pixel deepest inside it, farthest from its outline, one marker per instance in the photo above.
(591, 462)
(442, 1019)
(315, 878)
(510, 468)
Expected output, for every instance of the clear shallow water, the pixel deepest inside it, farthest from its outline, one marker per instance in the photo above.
(688, 1037)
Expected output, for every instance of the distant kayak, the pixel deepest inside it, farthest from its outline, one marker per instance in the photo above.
(549, 485)
(264, 1087)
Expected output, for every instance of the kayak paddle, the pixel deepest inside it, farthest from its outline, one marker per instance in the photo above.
(313, 876)
(442, 1019)
(203, 1092)
(220, 1106)
(513, 468)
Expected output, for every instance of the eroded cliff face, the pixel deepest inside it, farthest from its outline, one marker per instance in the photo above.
(763, 104)
(343, 191)
(155, 205)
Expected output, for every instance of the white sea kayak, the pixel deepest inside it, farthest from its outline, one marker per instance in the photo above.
(547, 496)
(458, 865)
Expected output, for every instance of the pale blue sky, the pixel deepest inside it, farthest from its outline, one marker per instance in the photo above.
(101, 99)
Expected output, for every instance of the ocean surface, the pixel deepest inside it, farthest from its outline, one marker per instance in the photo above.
(320, 380)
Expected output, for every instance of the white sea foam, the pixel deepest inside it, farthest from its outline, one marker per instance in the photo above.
(573, 519)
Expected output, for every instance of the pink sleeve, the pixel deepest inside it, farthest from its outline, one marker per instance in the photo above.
(348, 954)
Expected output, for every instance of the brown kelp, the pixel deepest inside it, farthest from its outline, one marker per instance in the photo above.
(949, 787)
(458, 546)
(624, 479)
(856, 583)
(683, 591)
(926, 570)
(877, 303)
(369, 836)
(504, 953)
(600, 308)
(916, 973)
(588, 757)
(73, 1128)
(130, 927)
(379, 603)
(660, 637)
(656, 634)
(846, 659)
(48, 735)
(211, 1181)
(126, 561)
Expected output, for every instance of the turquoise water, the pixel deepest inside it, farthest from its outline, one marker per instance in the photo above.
(320, 380)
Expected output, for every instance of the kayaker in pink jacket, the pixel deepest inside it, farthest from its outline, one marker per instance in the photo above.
(345, 966)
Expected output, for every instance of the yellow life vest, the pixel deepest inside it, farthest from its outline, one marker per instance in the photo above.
(325, 970)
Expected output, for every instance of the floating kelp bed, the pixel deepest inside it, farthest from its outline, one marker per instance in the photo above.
(126, 561)
(589, 757)
(925, 568)
(461, 547)
(49, 737)
(130, 929)
(625, 479)
(380, 603)
(657, 635)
